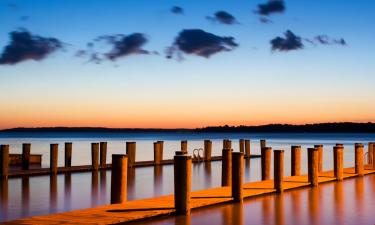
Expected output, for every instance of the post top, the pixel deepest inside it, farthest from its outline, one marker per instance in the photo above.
(130, 142)
(103, 142)
(312, 149)
(180, 153)
(266, 148)
(278, 150)
(69, 143)
(319, 145)
(238, 153)
(296, 146)
(338, 147)
(119, 156)
(228, 149)
(358, 144)
(182, 157)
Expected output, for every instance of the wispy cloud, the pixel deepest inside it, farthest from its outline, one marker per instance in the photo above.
(200, 43)
(177, 10)
(26, 46)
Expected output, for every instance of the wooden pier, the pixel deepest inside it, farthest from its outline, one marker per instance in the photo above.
(164, 205)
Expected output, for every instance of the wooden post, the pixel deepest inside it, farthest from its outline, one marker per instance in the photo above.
(4, 161)
(266, 163)
(278, 170)
(182, 183)
(370, 152)
(338, 161)
(237, 176)
(242, 145)
(320, 157)
(227, 144)
(26, 151)
(184, 146)
(158, 155)
(130, 152)
(68, 154)
(313, 172)
(296, 160)
(358, 150)
(95, 156)
(226, 168)
(161, 144)
(207, 150)
(119, 178)
(263, 144)
(53, 158)
(373, 154)
(247, 148)
(103, 154)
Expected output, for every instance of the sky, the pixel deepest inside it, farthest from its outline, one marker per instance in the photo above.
(185, 64)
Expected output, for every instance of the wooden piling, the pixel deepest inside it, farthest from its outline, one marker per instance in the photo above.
(26, 151)
(320, 157)
(226, 168)
(182, 183)
(242, 145)
(237, 176)
(266, 162)
(130, 152)
(4, 161)
(207, 150)
(158, 154)
(358, 151)
(227, 144)
(247, 148)
(338, 161)
(312, 164)
(296, 160)
(119, 178)
(95, 156)
(161, 144)
(278, 170)
(263, 144)
(370, 152)
(53, 158)
(184, 146)
(68, 154)
(103, 154)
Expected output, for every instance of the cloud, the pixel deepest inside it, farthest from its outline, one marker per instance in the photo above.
(272, 6)
(26, 46)
(120, 45)
(325, 40)
(265, 20)
(200, 43)
(223, 17)
(177, 10)
(287, 43)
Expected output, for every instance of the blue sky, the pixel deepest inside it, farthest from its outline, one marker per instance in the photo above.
(248, 85)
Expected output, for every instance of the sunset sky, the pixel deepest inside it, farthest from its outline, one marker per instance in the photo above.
(104, 63)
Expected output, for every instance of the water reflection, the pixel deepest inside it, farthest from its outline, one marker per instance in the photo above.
(67, 190)
(208, 174)
(131, 183)
(53, 193)
(103, 185)
(158, 180)
(94, 188)
(4, 198)
(25, 195)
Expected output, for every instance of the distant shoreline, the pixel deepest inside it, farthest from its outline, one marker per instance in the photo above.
(342, 127)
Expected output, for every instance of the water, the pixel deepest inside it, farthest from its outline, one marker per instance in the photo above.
(24, 197)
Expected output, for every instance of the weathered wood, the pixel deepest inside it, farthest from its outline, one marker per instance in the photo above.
(182, 184)
(158, 154)
(207, 150)
(103, 154)
(295, 160)
(370, 152)
(358, 152)
(4, 161)
(320, 157)
(95, 156)
(247, 148)
(312, 164)
(227, 144)
(68, 154)
(53, 158)
(278, 170)
(119, 179)
(26, 152)
(184, 146)
(237, 176)
(130, 152)
(242, 145)
(263, 144)
(226, 168)
(266, 163)
(338, 162)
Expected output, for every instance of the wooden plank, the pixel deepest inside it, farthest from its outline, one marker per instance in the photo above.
(159, 206)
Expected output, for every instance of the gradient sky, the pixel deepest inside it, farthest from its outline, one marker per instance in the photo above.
(250, 85)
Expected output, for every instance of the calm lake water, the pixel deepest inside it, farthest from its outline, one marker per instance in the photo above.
(24, 197)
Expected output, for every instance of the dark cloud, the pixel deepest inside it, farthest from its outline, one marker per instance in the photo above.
(325, 40)
(177, 10)
(287, 43)
(201, 43)
(272, 6)
(223, 17)
(265, 20)
(120, 46)
(24, 46)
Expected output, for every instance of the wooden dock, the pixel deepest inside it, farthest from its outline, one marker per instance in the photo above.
(85, 168)
(164, 205)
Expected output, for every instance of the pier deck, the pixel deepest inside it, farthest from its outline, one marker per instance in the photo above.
(164, 205)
